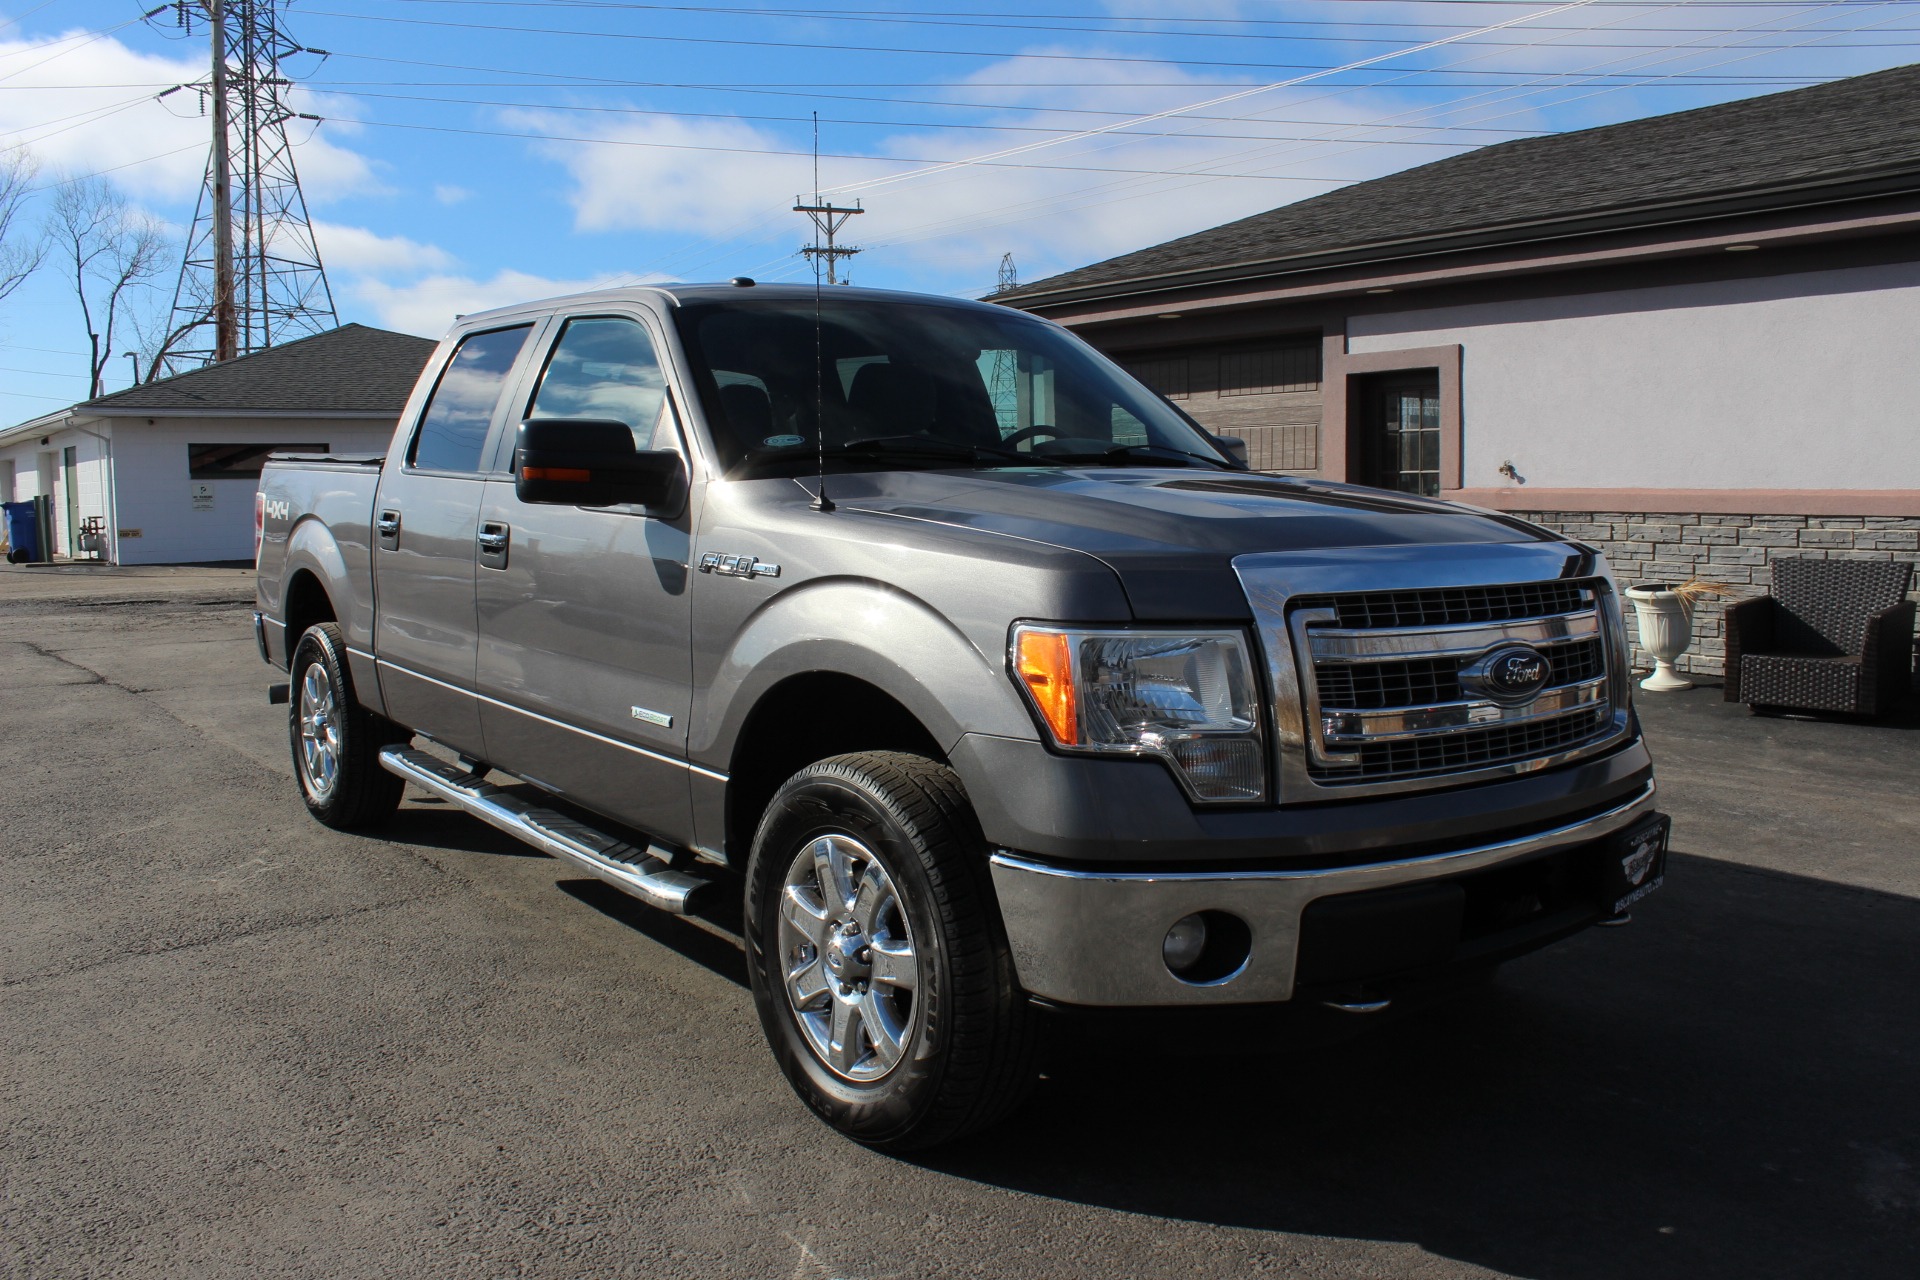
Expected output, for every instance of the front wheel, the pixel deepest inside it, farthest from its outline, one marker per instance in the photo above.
(881, 973)
(336, 742)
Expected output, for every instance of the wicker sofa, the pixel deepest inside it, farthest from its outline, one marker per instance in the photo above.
(1834, 635)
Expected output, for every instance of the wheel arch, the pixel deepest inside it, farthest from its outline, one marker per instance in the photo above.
(806, 717)
(317, 585)
(307, 604)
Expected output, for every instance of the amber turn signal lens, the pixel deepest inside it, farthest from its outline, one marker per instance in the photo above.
(1045, 662)
(571, 475)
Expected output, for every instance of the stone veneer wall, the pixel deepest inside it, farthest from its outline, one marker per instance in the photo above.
(1732, 549)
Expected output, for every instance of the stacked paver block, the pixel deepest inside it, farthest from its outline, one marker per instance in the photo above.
(1733, 549)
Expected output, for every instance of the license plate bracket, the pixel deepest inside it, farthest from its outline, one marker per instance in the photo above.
(1636, 862)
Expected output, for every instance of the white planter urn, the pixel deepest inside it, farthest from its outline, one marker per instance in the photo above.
(1666, 630)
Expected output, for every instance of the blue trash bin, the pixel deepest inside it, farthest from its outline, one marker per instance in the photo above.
(23, 532)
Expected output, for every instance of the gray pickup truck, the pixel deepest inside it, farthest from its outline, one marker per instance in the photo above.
(991, 680)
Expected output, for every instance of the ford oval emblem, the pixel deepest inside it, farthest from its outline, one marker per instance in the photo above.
(1511, 675)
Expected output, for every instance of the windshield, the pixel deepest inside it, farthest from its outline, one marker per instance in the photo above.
(918, 383)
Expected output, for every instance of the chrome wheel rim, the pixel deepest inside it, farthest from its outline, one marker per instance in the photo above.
(848, 963)
(317, 722)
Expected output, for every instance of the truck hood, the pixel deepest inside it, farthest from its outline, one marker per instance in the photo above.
(1172, 534)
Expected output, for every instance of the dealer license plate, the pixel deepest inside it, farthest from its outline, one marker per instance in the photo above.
(1638, 864)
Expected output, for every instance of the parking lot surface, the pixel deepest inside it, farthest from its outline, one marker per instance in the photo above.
(234, 1043)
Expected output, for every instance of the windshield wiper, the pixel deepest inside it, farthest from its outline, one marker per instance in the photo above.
(1122, 455)
(931, 447)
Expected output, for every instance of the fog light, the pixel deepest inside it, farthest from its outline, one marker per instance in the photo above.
(1184, 943)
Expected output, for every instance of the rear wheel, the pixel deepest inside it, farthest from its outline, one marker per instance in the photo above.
(880, 970)
(336, 742)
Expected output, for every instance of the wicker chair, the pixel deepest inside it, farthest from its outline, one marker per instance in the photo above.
(1835, 635)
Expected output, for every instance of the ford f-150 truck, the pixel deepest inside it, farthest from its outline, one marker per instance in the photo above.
(990, 679)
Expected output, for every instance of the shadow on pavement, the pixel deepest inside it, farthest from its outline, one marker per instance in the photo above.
(716, 946)
(1731, 1087)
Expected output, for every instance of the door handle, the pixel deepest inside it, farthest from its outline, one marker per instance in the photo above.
(493, 544)
(388, 526)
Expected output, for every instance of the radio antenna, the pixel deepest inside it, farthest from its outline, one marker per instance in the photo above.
(821, 502)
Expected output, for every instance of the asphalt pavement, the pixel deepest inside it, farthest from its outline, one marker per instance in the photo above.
(234, 1043)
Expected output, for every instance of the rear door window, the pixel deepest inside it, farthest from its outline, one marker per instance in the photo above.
(453, 430)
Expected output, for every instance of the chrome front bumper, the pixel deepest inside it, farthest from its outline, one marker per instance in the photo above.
(1094, 937)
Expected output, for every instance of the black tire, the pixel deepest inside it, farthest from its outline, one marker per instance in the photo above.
(343, 784)
(968, 1040)
(16, 556)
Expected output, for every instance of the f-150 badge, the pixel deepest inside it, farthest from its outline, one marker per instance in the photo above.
(737, 566)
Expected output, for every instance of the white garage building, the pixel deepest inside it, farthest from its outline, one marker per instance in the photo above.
(165, 472)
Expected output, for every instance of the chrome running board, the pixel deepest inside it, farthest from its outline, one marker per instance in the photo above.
(644, 873)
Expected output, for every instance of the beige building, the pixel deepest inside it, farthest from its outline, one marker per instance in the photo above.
(1687, 339)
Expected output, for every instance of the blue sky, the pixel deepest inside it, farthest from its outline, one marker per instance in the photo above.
(478, 152)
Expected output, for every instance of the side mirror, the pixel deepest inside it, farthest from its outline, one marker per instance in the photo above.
(590, 462)
(1235, 448)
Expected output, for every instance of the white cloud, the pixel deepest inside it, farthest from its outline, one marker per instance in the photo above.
(358, 251)
(663, 174)
(85, 105)
(447, 193)
(717, 182)
(428, 306)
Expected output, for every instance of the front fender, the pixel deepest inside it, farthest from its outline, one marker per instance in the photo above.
(870, 632)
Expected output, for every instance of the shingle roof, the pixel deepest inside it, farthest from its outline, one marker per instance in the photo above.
(352, 369)
(1848, 129)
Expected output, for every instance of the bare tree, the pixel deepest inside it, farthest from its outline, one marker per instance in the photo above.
(113, 252)
(19, 256)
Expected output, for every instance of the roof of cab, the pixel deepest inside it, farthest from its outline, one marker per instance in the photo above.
(678, 294)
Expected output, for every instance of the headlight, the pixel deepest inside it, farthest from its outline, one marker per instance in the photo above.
(1186, 697)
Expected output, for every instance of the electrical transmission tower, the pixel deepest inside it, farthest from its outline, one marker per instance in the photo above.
(1003, 386)
(252, 275)
(827, 221)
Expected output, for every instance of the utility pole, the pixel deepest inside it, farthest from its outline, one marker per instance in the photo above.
(827, 218)
(226, 329)
(252, 274)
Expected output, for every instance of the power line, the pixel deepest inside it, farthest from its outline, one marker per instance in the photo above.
(894, 50)
(1088, 197)
(1038, 22)
(1080, 200)
(786, 151)
(1231, 97)
(882, 124)
(955, 226)
(1091, 196)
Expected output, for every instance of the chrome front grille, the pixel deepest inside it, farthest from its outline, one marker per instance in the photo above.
(1387, 702)
(1448, 606)
(1471, 749)
(1417, 682)
(1379, 666)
